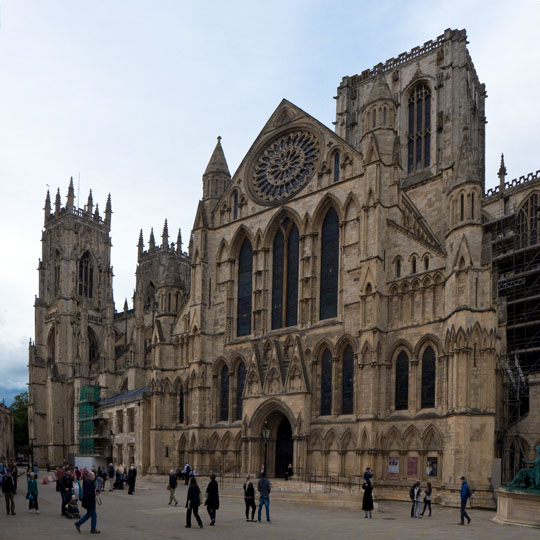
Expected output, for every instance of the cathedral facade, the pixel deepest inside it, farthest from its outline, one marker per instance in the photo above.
(334, 309)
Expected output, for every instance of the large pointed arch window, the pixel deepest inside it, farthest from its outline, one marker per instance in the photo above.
(347, 381)
(402, 382)
(428, 378)
(181, 405)
(329, 265)
(419, 132)
(240, 383)
(285, 275)
(86, 276)
(245, 288)
(326, 383)
(224, 395)
(527, 222)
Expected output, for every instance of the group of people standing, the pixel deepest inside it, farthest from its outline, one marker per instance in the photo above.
(417, 494)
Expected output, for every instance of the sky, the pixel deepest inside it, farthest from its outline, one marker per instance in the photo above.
(128, 97)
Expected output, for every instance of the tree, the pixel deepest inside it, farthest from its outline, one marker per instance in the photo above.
(19, 410)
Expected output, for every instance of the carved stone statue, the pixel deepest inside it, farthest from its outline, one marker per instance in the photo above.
(528, 478)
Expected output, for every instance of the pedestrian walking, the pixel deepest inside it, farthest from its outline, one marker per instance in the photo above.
(66, 486)
(212, 498)
(173, 482)
(465, 494)
(32, 493)
(249, 498)
(187, 470)
(264, 487)
(8, 489)
(427, 499)
(193, 502)
(111, 475)
(367, 501)
(132, 475)
(89, 503)
(417, 500)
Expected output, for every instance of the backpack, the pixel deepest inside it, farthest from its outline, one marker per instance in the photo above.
(411, 493)
(469, 492)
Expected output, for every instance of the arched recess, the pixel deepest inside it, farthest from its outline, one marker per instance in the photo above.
(348, 448)
(331, 447)
(400, 361)
(93, 351)
(315, 453)
(432, 444)
(51, 344)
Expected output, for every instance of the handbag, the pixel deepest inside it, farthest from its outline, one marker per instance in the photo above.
(169, 488)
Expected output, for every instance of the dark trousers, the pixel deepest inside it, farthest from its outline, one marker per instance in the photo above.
(66, 496)
(413, 507)
(131, 487)
(211, 512)
(90, 514)
(10, 502)
(33, 503)
(464, 512)
(195, 511)
(427, 504)
(250, 503)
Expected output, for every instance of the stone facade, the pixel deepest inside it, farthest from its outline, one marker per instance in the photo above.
(334, 309)
(7, 446)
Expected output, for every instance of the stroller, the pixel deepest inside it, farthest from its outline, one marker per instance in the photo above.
(72, 510)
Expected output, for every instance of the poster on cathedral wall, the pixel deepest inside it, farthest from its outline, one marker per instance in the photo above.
(393, 465)
(412, 466)
(431, 468)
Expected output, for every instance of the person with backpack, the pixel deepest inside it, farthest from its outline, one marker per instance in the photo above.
(249, 498)
(264, 488)
(193, 502)
(465, 494)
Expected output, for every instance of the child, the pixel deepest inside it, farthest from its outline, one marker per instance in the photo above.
(72, 510)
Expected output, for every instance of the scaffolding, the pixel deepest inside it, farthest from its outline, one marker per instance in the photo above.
(88, 403)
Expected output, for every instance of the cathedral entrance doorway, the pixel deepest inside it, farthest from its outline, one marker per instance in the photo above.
(284, 447)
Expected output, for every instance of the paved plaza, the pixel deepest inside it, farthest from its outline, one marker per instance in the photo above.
(146, 515)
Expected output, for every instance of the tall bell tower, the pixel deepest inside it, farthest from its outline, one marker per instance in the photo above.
(74, 334)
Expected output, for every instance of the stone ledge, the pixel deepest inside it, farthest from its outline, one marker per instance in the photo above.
(518, 508)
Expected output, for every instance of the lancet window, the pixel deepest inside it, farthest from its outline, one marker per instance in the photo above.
(419, 133)
(329, 265)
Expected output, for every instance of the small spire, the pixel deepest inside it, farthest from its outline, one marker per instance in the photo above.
(165, 235)
(90, 204)
(57, 202)
(47, 208)
(152, 241)
(179, 241)
(502, 174)
(96, 213)
(140, 245)
(108, 210)
(70, 195)
(125, 305)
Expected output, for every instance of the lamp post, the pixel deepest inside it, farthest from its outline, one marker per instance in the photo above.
(265, 433)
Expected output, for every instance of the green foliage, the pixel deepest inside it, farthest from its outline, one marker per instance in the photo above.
(19, 409)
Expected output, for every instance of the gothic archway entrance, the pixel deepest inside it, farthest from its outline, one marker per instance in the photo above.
(284, 447)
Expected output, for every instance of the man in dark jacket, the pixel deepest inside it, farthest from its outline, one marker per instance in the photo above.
(465, 493)
(212, 499)
(8, 489)
(132, 475)
(66, 487)
(173, 482)
(89, 503)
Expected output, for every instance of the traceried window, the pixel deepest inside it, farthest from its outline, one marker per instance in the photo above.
(326, 383)
(428, 378)
(402, 382)
(398, 268)
(329, 265)
(86, 276)
(336, 167)
(462, 207)
(235, 205)
(347, 381)
(413, 265)
(181, 405)
(285, 275)
(419, 136)
(245, 287)
(224, 395)
(240, 383)
(426, 262)
(527, 223)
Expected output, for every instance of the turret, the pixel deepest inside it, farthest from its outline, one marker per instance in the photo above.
(47, 208)
(90, 203)
(96, 213)
(57, 202)
(152, 241)
(216, 176)
(165, 236)
(179, 241)
(108, 211)
(502, 175)
(70, 196)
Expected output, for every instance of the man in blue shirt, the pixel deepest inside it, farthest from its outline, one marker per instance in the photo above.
(465, 494)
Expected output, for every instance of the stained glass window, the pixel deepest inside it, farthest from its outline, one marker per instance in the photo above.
(329, 265)
(235, 205)
(245, 287)
(326, 383)
(347, 381)
(285, 275)
(428, 378)
(402, 382)
(398, 268)
(240, 382)
(336, 166)
(181, 406)
(224, 395)
(419, 132)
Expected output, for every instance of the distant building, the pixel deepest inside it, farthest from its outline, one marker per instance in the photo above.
(340, 304)
(7, 445)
